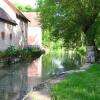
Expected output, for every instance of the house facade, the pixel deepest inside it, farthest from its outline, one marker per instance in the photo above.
(34, 29)
(13, 26)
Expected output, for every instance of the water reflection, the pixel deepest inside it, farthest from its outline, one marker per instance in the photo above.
(56, 63)
(17, 80)
(34, 73)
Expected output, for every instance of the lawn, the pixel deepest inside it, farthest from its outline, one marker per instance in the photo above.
(79, 86)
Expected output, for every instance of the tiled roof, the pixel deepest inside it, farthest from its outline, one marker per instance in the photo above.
(18, 13)
(5, 17)
(34, 18)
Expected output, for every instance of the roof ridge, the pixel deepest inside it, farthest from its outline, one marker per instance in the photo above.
(5, 17)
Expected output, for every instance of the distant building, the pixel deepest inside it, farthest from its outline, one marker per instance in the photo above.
(34, 29)
(13, 26)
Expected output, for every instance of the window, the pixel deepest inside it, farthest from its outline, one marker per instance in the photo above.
(3, 35)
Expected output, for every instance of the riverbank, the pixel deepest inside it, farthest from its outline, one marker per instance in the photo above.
(43, 90)
(79, 86)
(12, 55)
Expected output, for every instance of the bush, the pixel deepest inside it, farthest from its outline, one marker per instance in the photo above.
(10, 51)
(25, 53)
(81, 51)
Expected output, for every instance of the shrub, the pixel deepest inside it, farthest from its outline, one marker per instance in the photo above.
(81, 51)
(10, 51)
(25, 53)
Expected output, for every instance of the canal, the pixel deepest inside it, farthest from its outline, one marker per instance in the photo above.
(18, 79)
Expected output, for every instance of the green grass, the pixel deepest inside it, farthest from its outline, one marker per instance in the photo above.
(79, 86)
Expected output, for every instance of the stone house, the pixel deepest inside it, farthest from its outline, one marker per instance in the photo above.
(34, 29)
(13, 26)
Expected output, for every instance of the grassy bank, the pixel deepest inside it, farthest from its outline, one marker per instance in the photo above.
(79, 86)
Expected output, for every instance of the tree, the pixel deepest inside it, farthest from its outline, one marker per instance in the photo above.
(26, 8)
(75, 21)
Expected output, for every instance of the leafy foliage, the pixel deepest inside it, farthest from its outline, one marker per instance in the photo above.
(75, 21)
(25, 53)
(48, 43)
(26, 8)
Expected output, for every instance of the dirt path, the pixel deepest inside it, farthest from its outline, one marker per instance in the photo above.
(40, 94)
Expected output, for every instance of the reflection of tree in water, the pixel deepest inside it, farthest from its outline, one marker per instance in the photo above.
(72, 61)
(55, 63)
(49, 65)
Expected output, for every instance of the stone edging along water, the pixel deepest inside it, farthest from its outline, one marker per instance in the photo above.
(48, 83)
(12, 60)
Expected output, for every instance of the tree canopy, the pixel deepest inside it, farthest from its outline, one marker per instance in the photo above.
(26, 8)
(77, 22)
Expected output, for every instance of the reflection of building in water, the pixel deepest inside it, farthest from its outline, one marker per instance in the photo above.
(34, 73)
(35, 68)
(17, 81)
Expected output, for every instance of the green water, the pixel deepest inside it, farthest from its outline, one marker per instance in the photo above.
(56, 63)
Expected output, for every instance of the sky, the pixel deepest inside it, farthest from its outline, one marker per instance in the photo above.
(25, 2)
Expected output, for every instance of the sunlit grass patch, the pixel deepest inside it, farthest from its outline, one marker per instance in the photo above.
(79, 86)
